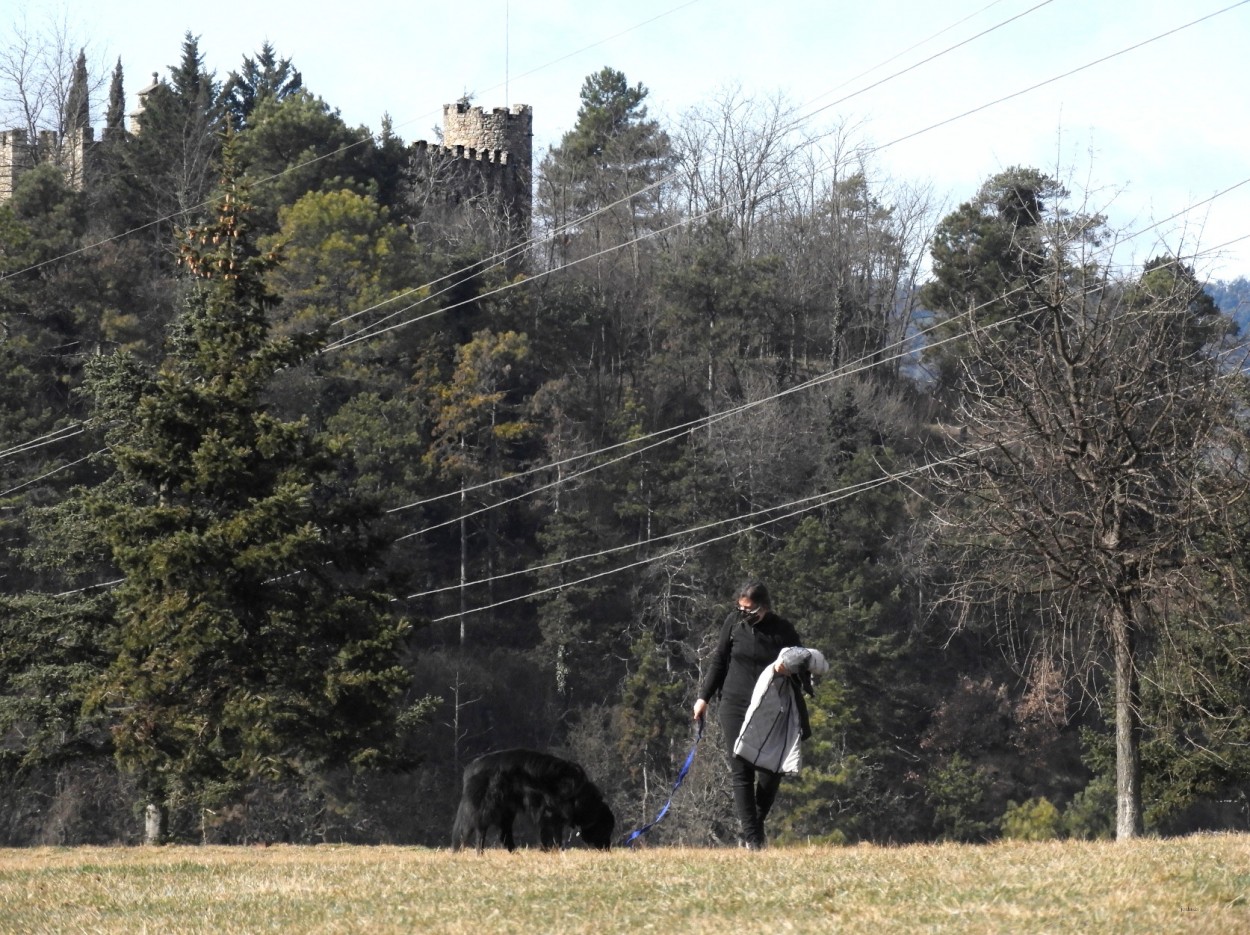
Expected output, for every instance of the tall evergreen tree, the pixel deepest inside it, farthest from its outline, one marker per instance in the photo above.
(480, 431)
(172, 160)
(992, 257)
(253, 643)
(115, 116)
(265, 77)
(297, 143)
(78, 102)
(603, 184)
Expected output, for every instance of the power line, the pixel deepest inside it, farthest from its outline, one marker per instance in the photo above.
(503, 256)
(822, 498)
(812, 502)
(833, 497)
(63, 467)
(50, 438)
(1066, 74)
(688, 220)
(931, 58)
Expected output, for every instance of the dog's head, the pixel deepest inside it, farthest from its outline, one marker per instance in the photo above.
(595, 822)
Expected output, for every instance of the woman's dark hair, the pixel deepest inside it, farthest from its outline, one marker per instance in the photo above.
(757, 593)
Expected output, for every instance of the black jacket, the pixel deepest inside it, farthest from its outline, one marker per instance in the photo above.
(743, 651)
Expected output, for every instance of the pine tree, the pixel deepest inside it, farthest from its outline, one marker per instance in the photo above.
(115, 116)
(602, 184)
(253, 644)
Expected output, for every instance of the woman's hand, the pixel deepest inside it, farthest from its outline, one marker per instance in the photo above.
(780, 669)
(700, 708)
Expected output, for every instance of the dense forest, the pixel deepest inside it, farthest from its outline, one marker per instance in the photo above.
(316, 482)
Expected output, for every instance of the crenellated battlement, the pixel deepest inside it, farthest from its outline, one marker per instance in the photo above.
(20, 154)
(483, 153)
(16, 156)
(503, 129)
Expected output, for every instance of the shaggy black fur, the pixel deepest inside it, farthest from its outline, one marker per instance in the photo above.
(554, 793)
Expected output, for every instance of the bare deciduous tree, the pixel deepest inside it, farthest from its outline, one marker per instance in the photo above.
(739, 160)
(1092, 508)
(37, 77)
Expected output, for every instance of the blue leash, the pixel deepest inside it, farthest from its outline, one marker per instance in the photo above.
(681, 776)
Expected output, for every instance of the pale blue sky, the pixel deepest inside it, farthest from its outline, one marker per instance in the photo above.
(1146, 134)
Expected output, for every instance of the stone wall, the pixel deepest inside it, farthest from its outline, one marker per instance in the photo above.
(18, 154)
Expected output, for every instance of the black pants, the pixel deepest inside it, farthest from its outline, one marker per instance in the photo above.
(754, 789)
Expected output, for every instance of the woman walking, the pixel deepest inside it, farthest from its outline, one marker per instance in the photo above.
(751, 640)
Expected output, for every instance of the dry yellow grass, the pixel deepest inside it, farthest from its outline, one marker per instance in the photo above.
(1197, 884)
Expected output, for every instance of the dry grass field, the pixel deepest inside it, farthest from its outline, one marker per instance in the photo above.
(1197, 884)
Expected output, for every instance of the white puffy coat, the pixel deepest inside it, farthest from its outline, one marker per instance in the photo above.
(771, 734)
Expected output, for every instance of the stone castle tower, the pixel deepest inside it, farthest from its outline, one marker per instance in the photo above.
(483, 154)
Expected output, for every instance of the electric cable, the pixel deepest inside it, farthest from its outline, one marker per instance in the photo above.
(820, 500)
(973, 111)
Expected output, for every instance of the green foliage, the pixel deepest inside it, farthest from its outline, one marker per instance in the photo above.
(714, 318)
(341, 252)
(115, 115)
(1196, 708)
(295, 144)
(77, 114)
(957, 792)
(603, 183)
(263, 78)
(653, 727)
(1090, 815)
(172, 162)
(478, 417)
(54, 649)
(991, 254)
(818, 805)
(1034, 820)
(610, 109)
(1195, 320)
(53, 214)
(250, 644)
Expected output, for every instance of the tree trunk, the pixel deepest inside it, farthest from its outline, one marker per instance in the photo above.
(1128, 814)
(153, 824)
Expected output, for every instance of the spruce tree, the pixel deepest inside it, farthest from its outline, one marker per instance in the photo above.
(265, 77)
(252, 643)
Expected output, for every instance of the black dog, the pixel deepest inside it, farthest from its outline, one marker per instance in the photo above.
(554, 793)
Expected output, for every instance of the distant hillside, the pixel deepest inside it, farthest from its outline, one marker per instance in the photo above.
(1233, 299)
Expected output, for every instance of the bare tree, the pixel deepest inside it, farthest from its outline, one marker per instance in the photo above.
(738, 159)
(37, 78)
(1092, 508)
(850, 248)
